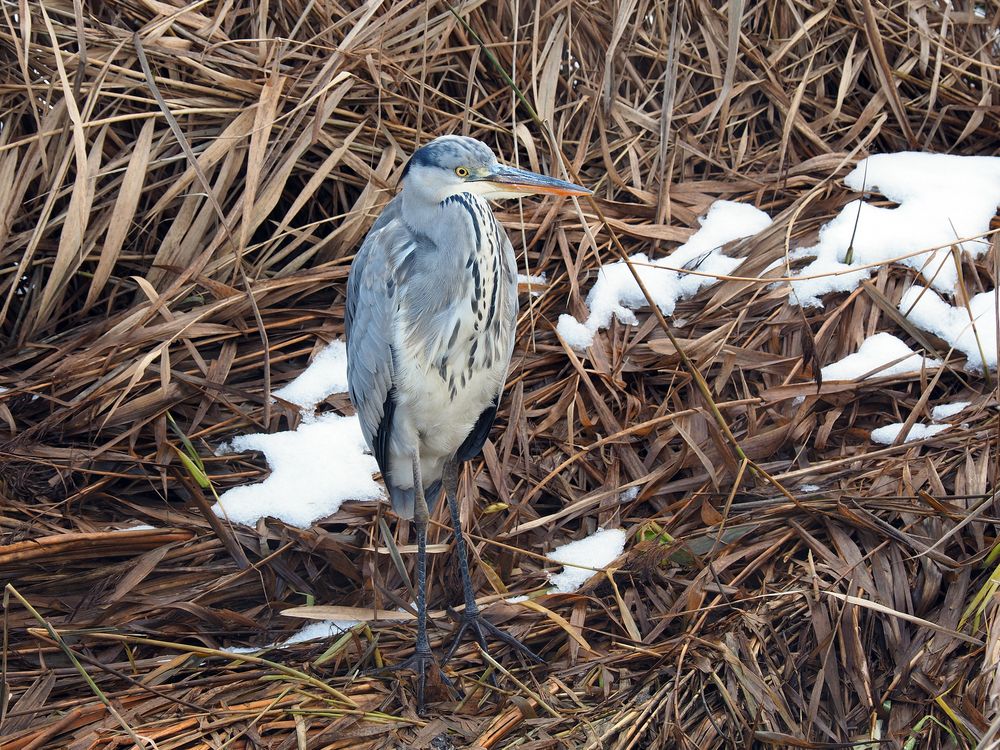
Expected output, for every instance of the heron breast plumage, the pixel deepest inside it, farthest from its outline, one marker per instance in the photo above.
(451, 309)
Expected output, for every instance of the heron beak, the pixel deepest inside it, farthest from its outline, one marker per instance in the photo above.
(510, 180)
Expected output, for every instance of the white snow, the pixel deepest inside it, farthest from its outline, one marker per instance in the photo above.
(943, 411)
(941, 198)
(139, 527)
(245, 649)
(320, 629)
(809, 488)
(535, 284)
(616, 293)
(830, 274)
(874, 353)
(314, 469)
(578, 335)
(595, 551)
(309, 632)
(886, 435)
(953, 324)
(326, 375)
(629, 494)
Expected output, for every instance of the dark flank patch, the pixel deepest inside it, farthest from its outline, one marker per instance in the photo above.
(480, 431)
(384, 433)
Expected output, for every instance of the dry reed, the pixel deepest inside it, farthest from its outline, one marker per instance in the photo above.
(182, 186)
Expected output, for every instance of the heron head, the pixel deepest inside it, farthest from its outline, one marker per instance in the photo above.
(455, 164)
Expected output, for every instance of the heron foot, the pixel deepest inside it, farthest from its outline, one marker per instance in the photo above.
(422, 663)
(480, 627)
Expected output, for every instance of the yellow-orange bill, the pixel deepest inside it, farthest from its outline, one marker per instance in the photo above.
(521, 180)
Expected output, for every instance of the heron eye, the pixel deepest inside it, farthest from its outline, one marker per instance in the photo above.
(462, 172)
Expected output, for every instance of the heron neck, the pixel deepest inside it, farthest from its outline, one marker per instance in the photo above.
(444, 222)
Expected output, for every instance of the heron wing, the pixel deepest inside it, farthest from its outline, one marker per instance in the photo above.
(371, 302)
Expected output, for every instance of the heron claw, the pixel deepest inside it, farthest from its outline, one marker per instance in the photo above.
(419, 663)
(480, 627)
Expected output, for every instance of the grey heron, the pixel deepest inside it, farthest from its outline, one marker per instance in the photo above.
(430, 324)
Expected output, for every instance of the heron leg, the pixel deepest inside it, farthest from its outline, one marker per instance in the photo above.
(422, 659)
(472, 619)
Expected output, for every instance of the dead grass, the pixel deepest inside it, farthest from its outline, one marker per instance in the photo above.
(182, 186)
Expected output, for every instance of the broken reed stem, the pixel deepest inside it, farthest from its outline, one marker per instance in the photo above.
(64, 647)
(203, 651)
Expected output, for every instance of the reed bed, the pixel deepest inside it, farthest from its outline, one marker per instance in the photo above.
(182, 187)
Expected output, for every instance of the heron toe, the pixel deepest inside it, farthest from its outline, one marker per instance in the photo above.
(480, 628)
(421, 663)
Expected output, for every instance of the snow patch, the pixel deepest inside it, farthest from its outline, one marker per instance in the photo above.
(595, 551)
(578, 335)
(615, 293)
(532, 283)
(943, 411)
(629, 494)
(886, 435)
(320, 629)
(309, 632)
(873, 355)
(941, 198)
(138, 527)
(325, 375)
(954, 324)
(314, 469)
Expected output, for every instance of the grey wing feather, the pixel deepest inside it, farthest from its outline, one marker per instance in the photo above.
(369, 327)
